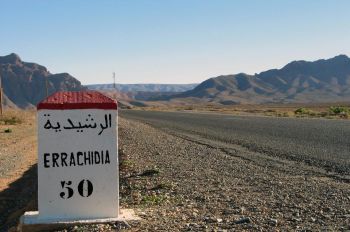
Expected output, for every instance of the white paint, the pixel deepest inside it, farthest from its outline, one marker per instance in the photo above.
(32, 218)
(104, 199)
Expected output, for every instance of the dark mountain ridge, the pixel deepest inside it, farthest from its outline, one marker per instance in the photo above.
(299, 81)
(24, 83)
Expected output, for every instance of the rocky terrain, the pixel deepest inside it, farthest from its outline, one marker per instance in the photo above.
(321, 81)
(299, 81)
(178, 184)
(24, 83)
(205, 188)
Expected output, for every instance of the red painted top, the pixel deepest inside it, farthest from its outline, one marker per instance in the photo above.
(78, 100)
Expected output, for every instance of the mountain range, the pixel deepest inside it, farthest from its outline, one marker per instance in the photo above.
(325, 80)
(299, 81)
(24, 83)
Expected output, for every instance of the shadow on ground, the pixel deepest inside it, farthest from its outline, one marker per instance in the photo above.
(20, 196)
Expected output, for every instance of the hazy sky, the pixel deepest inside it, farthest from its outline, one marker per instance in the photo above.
(171, 41)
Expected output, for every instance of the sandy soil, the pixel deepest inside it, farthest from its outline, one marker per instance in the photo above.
(17, 173)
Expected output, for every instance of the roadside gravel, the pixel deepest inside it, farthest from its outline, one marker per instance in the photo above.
(175, 183)
(199, 187)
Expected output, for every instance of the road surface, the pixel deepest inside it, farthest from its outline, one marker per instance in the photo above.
(322, 143)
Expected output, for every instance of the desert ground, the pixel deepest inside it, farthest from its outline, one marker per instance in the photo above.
(180, 175)
(309, 110)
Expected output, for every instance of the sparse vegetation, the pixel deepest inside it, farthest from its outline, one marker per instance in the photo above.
(321, 110)
(126, 164)
(11, 117)
(153, 199)
(150, 172)
(10, 120)
(302, 111)
(162, 186)
(339, 111)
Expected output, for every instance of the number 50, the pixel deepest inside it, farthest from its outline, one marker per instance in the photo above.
(85, 189)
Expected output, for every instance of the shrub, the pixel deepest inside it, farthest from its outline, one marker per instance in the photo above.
(339, 110)
(10, 119)
(153, 199)
(302, 111)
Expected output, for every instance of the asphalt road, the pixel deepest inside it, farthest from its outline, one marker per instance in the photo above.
(317, 142)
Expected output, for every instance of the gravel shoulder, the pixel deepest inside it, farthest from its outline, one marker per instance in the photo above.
(201, 187)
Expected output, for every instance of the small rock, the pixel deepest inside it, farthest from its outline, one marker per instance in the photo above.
(193, 225)
(273, 222)
(219, 220)
(209, 219)
(243, 220)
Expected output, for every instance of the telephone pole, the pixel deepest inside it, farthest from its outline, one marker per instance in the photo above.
(114, 87)
(114, 80)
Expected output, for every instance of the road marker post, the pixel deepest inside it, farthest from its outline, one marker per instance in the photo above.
(78, 176)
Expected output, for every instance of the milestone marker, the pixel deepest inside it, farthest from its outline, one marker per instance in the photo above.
(77, 159)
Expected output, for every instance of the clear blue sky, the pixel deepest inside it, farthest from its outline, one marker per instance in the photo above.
(171, 41)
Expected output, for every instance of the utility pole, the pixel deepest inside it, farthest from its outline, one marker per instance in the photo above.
(114, 80)
(1, 97)
(114, 87)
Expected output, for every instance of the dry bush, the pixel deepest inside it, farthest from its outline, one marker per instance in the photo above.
(14, 117)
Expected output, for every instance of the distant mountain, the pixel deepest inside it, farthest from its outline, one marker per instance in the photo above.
(299, 81)
(24, 83)
(144, 87)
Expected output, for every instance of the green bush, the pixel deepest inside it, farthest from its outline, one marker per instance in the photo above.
(338, 110)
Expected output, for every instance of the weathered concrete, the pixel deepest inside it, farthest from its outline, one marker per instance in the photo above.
(30, 222)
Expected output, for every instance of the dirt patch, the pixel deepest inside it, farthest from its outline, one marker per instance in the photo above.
(17, 167)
